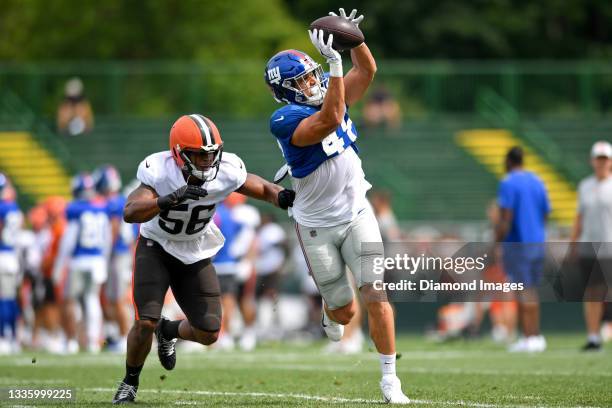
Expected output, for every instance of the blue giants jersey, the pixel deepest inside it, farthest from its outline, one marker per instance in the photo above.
(93, 222)
(10, 223)
(126, 233)
(229, 228)
(304, 160)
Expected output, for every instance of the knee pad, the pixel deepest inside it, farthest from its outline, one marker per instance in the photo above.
(209, 321)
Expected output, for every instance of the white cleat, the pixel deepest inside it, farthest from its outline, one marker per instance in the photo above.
(536, 344)
(531, 344)
(72, 347)
(333, 330)
(225, 343)
(520, 346)
(248, 341)
(391, 388)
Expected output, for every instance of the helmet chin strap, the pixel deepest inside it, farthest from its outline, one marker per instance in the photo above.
(202, 175)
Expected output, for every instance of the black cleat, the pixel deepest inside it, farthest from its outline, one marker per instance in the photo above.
(591, 346)
(165, 348)
(125, 393)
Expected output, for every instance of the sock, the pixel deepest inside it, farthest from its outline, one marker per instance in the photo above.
(594, 338)
(132, 374)
(387, 364)
(170, 330)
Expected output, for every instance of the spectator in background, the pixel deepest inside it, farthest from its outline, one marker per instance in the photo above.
(382, 110)
(593, 228)
(74, 115)
(524, 208)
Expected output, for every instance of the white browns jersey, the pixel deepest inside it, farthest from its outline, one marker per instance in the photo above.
(185, 231)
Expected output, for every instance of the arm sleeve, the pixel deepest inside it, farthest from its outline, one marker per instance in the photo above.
(505, 197)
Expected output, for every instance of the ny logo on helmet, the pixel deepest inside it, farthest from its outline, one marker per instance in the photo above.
(274, 75)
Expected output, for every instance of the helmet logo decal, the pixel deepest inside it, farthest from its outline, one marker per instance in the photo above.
(274, 75)
(203, 129)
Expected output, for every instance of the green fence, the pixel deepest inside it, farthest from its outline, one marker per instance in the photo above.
(424, 88)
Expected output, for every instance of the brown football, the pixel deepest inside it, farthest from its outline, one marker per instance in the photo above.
(346, 34)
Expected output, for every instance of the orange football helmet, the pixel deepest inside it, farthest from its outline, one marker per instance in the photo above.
(193, 135)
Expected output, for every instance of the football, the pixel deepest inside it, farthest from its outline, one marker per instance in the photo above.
(346, 34)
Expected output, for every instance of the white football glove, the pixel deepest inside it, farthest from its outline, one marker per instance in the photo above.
(326, 49)
(350, 17)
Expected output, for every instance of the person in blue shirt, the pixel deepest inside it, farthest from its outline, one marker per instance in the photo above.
(524, 209)
(11, 220)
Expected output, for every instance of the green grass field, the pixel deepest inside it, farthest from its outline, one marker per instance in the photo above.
(476, 373)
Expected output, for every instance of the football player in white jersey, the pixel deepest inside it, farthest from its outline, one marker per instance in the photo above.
(333, 218)
(174, 203)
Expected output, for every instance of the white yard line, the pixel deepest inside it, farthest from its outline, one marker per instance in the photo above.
(13, 381)
(307, 397)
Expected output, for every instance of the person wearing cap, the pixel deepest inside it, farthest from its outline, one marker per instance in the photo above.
(74, 115)
(521, 228)
(593, 230)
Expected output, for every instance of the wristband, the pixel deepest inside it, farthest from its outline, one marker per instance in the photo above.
(335, 69)
(164, 203)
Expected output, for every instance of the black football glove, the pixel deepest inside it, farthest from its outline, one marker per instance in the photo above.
(285, 198)
(187, 192)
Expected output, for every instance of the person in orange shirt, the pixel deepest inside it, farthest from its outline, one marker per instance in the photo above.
(49, 310)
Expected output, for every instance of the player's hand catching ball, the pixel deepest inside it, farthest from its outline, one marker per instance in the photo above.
(325, 48)
(286, 198)
(187, 192)
(350, 17)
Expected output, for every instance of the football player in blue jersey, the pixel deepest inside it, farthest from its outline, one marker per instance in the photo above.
(83, 251)
(317, 139)
(11, 220)
(108, 183)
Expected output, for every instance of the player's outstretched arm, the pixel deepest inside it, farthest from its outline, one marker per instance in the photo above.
(317, 127)
(261, 189)
(141, 205)
(144, 203)
(358, 79)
